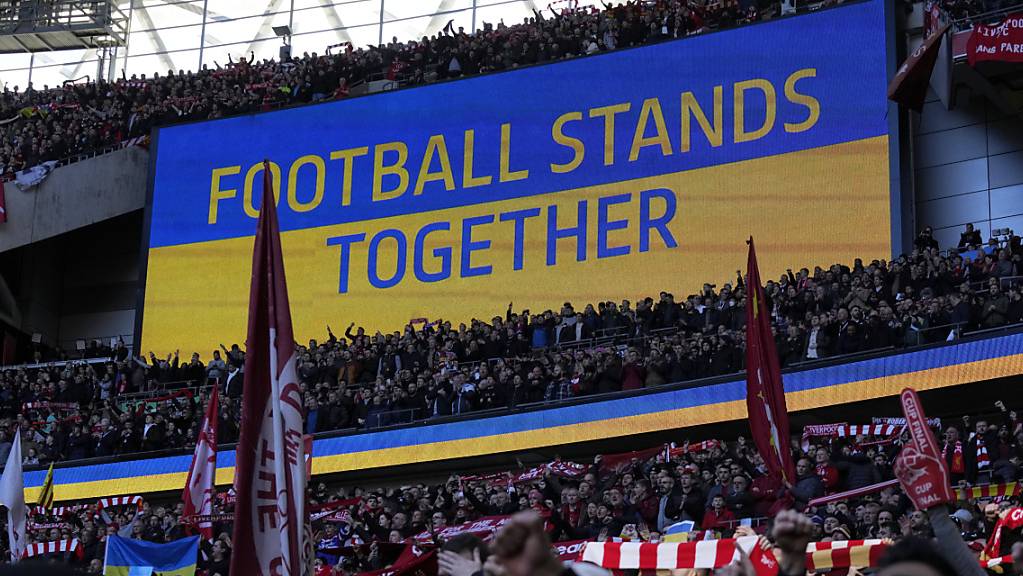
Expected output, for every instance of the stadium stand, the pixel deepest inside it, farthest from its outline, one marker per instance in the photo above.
(74, 120)
(125, 404)
(115, 402)
(637, 496)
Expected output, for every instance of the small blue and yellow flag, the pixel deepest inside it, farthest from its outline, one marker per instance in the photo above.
(127, 557)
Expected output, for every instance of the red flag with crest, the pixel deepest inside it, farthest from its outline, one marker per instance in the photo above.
(270, 470)
(765, 395)
(200, 488)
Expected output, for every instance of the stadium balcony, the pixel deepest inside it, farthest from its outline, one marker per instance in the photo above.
(957, 376)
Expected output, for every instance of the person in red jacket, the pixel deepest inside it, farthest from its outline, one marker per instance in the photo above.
(717, 517)
(633, 372)
(827, 471)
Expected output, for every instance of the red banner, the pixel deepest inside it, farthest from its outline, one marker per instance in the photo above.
(413, 561)
(765, 395)
(909, 85)
(270, 479)
(999, 42)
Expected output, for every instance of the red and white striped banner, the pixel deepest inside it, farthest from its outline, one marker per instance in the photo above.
(33, 526)
(120, 501)
(50, 405)
(59, 511)
(711, 554)
(843, 430)
(665, 555)
(57, 546)
(844, 554)
(989, 491)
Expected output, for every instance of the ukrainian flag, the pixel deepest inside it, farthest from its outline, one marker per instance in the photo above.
(678, 532)
(139, 558)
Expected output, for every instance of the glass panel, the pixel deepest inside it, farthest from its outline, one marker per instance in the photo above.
(220, 10)
(161, 63)
(337, 13)
(416, 28)
(12, 79)
(166, 16)
(48, 73)
(53, 68)
(511, 14)
(398, 9)
(264, 49)
(142, 43)
(319, 40)
(245, 30)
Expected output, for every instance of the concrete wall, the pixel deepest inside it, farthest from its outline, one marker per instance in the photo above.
(79, 285)
(968, 167)
(76, 195)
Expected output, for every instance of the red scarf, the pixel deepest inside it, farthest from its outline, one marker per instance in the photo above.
(957, 465)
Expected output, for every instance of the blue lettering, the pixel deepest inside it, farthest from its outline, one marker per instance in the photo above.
(468, 246)
(443, 253)
(554, 233)
(604, 226)
(519, 218)
(345, 242)
(661, 222)
(400, 255)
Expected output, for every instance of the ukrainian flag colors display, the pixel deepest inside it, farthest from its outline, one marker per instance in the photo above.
(607, 177)
(654, 410)
(125, 557)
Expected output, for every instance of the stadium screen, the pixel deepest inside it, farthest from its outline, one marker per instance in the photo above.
(602, 178)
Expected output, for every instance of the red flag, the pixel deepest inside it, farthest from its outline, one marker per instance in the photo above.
(765, 396)
(909, 85)
(269, 479)
(199, 488)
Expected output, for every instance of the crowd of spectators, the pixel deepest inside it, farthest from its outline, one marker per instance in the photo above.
(74, 119)
(632, 496)
(358, 380)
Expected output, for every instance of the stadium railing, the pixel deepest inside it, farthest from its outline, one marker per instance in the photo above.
(976, 335)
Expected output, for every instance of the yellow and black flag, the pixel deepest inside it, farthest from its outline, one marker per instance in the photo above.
(46, 494)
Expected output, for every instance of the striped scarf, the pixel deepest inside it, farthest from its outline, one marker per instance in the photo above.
(957, 465)
(983, 460)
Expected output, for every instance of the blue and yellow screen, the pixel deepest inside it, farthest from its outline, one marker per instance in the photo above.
(601, 178)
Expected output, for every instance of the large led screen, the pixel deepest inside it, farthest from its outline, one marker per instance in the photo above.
(608, 177)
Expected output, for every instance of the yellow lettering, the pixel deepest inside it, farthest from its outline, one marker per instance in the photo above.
(505, 174)
(468, 180)
(398, 168)
(608, 112)
(811, 103)
(739, 131)
(437, 146)
(557, 132)
(216, 194)
(715, 134)
(651, 108)
(321, 173)
(275, 174)
(348, 159)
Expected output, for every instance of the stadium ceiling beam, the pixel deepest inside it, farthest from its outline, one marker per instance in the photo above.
(265, 27)
(210, 14)
(334, 20)
(436, 23)
(161, 48)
